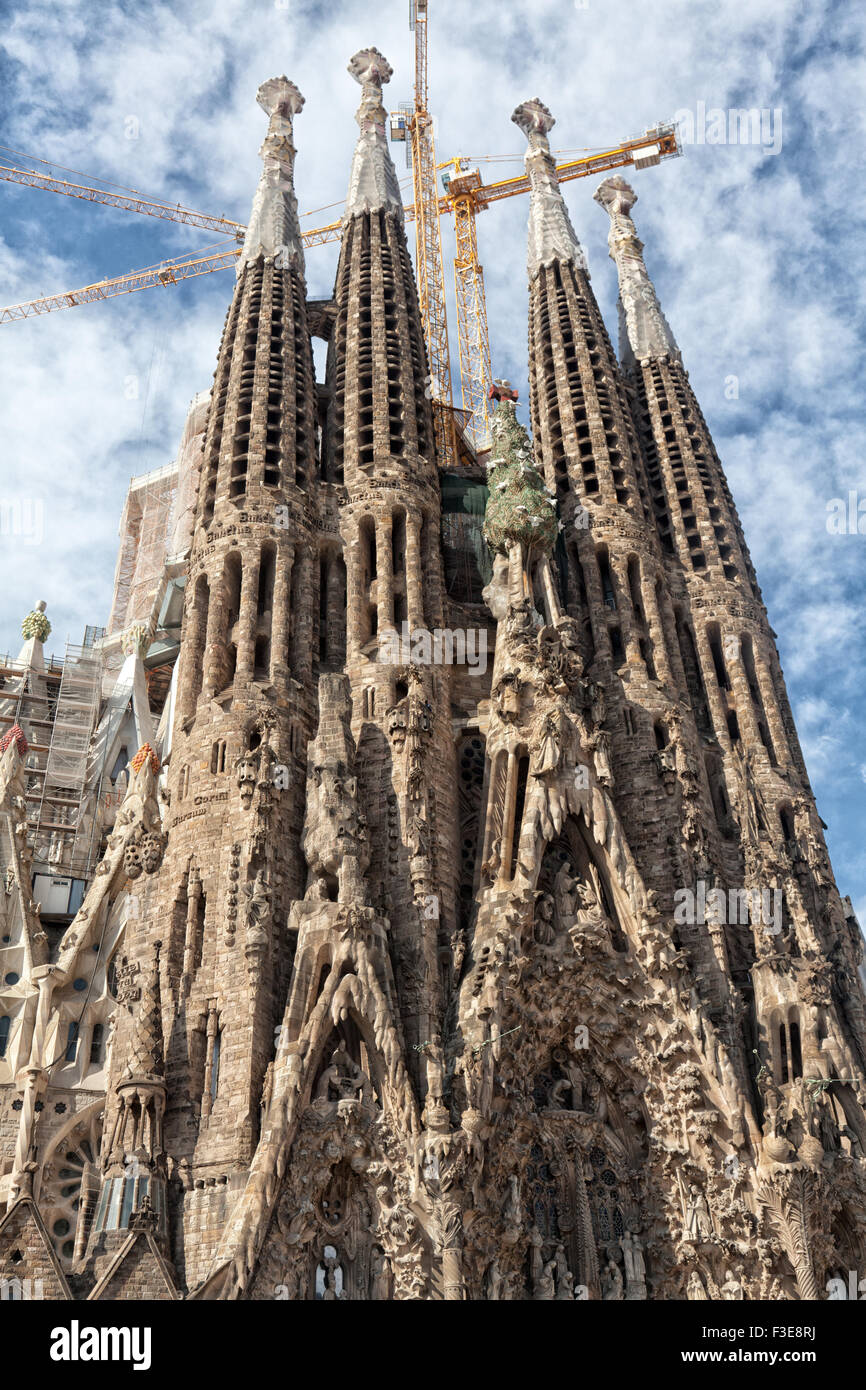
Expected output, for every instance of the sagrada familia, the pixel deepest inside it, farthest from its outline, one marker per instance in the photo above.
(460, 940)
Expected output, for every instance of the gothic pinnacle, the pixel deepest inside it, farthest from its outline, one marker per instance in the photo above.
(373, 179)
(274, 230)
(551, 235)
(646, 331)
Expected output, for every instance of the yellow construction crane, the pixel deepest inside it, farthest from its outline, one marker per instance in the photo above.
(428, 244)
(465, 196)
(129, 200)
(164, 273)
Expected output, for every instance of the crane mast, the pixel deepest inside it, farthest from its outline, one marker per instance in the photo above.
(428, 242)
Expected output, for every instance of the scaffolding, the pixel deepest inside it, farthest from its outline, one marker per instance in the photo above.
(145, 530)
(62, 834)
(156, 527)
(28, 698)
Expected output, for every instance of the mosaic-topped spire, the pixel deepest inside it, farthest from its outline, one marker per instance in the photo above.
(551, 235)
(373, 180)
(646, 331)
(273, 228)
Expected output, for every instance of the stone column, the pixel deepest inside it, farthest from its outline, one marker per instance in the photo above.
(353, 596)
(655, 623)
(248, 617)
(505, 870)
(414, 577)
(281, 610)
(213, 654)
(384, 573)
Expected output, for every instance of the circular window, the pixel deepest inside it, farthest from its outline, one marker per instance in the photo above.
(79, 984)
(60, 1228)
(68, 1249)
(6, 939)
(12, 978)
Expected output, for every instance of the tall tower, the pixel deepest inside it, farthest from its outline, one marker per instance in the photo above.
(383, 444)
(764, 811)
(245, 708)
(613, 579)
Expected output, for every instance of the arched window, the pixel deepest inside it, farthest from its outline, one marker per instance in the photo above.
(714, 636)
(519, 802)
(5, 1025)
(231, 600)
(607, 590)
(194, 649)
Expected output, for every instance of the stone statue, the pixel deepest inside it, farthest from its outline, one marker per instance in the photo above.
(544, 929)
(611, 1283)
(695, 1291)
(343, 1079)
(698, 1223)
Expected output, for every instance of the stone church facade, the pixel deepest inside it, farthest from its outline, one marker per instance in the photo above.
(515, 978)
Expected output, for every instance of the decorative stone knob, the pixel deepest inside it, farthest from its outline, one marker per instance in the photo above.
(616, 196)
(370, 68)
(535, 120)
(280, 96)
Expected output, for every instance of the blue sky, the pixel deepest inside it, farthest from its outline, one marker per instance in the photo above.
(758, 259)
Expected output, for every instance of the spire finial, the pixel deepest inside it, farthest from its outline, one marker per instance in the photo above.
(645, 332)
(280, 97)
(551, 235)
(616, 196)
(373, 181)
(274, 231)
(372, 70)
(535, 120)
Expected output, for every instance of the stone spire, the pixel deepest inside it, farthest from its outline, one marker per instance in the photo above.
(551, 235)
(373, 180)
(646, 332)
(273, 228)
